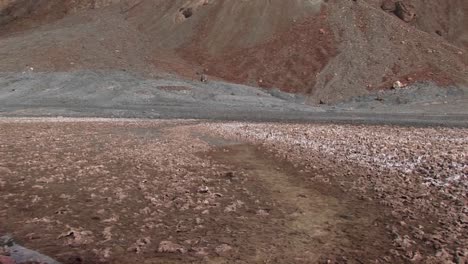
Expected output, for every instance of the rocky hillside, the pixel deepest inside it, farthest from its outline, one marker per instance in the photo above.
(330, 50)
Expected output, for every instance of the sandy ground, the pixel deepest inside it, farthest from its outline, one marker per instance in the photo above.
(138, 191)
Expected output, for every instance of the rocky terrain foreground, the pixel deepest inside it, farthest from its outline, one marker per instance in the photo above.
(187, 191)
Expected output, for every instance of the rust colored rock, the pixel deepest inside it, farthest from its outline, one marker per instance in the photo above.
(404, 11)
(6, 260)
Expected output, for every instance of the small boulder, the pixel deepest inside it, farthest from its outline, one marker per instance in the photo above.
(203, 189)
(203, 78)
(4, 171)
(171, 247)
(223, 250)
(388, 6)
(229, 175)
(398, 85)
(404, 11)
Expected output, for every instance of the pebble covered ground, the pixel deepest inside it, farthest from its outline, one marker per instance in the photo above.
(136, 191)
(421, 174)
(88, 191)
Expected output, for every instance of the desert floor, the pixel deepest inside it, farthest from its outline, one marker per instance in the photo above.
(86, 190)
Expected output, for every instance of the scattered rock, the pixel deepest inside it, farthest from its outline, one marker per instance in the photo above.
(170, 247)
(262, 212)
(107, 233)
(443, 256)
(223, 250)
(398, 85)
(229, 174)
(203, 189)
(32, 236)
(234, 206)
(4, 251)
(417, 257)
(404, 242)
(201, 251)
(461, 256)
(4, 171)
(405, 11)
(14, 253)
(203, 78)
(139, 245)
(103, 254)
(187, 12)
(387, 258)
(77, 237)
(388, 6)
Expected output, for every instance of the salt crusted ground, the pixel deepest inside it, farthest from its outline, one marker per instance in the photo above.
(136, 191)
(419, 173)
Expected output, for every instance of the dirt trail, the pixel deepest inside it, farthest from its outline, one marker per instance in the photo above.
(321, 221)
(314, 210)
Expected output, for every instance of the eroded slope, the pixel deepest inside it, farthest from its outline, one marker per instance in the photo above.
(330, 51)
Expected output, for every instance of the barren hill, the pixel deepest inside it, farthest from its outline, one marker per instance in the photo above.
(328, 50)
(233, 131)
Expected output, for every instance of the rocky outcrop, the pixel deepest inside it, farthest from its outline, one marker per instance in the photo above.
(401, 9)
(405, 11)
(388, 5)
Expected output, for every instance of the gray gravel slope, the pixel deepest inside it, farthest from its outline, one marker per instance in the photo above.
(123, 94)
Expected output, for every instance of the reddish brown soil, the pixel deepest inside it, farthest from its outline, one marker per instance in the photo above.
(32, 13)
(422, 75)
(279, 62)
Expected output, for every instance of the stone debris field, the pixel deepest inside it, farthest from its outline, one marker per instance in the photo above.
(140, 191)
